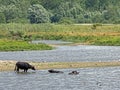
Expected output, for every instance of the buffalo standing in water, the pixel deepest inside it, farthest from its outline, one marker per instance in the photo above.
(23, 65)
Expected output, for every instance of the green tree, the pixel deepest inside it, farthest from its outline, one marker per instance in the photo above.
(68, 9)
(80, 19)
(111, 14)
(92, 4)
(2, 18)
(107, 11)
(51, 4)
(38, 14)
(10, 12)
(103, 4)
(96, 17)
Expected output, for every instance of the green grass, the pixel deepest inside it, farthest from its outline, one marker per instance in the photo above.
(100, 35)
(10, 45)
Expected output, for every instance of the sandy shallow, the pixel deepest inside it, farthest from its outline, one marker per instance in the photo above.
(7, 65)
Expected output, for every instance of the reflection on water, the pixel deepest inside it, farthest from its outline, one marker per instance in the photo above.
(88, 79)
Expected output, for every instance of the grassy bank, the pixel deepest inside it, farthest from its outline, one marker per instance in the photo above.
(12, 45)
(9, 65)
(96, 34)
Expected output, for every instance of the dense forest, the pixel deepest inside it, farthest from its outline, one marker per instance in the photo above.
(60, 11)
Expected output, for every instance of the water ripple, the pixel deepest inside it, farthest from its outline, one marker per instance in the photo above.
(88, 79)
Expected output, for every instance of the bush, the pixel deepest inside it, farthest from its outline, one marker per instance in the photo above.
(66, 21)
(94, 26)
(16, 35)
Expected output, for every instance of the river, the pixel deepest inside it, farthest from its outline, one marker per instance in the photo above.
(102, 78)
(107, 78)
(64, 53)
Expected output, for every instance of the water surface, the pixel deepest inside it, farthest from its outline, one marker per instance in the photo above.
(66, 53)
(88, 79)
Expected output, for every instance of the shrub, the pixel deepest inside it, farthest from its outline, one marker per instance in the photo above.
(94, 26)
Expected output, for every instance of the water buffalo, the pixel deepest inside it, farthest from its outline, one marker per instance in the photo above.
(73, 73)
(23, 65)
(54, 71)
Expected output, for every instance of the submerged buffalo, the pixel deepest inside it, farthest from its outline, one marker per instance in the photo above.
(54, 71)
(23, 65)
(73, 73)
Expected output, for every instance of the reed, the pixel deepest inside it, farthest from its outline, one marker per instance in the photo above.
(100, 35)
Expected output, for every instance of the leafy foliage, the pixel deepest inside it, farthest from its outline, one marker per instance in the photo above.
(42, 11)
(38, 14)
(2, 18)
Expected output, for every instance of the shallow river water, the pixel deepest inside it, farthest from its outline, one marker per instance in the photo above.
(64, 53)
(105, 78)
(88, 79)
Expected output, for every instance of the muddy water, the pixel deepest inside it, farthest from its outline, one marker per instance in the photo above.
(88, 79)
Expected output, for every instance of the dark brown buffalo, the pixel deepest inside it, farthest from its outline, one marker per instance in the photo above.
(73, 73)
(23, 65)
(54, 71)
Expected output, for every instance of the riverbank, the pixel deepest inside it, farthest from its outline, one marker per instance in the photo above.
(19, 45)
(10, 65)
(94, 34)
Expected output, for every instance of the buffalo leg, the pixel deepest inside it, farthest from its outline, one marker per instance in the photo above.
(17, 69)
(25, 70)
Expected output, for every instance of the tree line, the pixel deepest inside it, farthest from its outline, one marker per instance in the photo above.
(60, 11)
